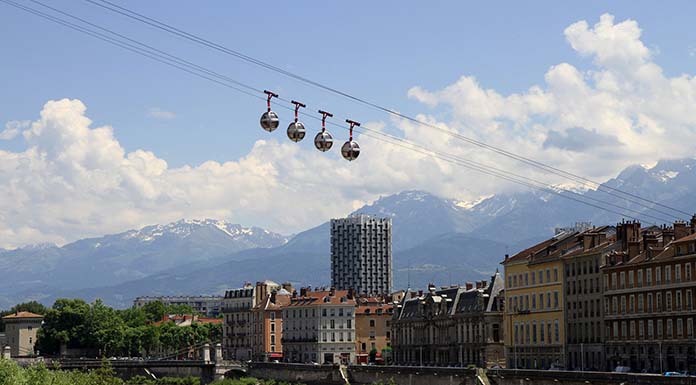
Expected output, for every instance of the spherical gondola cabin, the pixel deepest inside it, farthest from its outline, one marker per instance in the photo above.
(269, 121)
(323, 141)
(350, 150)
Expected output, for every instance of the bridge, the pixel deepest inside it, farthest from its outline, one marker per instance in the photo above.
(206, 369)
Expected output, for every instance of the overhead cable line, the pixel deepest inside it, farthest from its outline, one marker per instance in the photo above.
(630, 197)
(189, 67)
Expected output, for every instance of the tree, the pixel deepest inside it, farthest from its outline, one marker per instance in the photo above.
(373, 355)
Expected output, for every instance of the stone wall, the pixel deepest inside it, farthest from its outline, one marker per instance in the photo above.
(308, 374)
(408, 375)
(549, 377)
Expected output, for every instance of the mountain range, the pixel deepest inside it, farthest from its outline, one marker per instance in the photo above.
(435, 240)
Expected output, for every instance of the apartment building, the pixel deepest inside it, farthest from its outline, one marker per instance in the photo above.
(453, 326)
(535, 336)
(319, 326)
(373, 329)
(361, 255)
(648, 298)
(237, 327)
(21, 329)
(210, 305)
(267, 327)
(584, 298)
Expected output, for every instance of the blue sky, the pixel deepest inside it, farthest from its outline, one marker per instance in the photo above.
(590, 87)
(377, 50)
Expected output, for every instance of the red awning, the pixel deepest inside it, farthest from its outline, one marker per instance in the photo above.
(276, 355)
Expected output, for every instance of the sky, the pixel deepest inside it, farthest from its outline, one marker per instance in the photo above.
(95, 139)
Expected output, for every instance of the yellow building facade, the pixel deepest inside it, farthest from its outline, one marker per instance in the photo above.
(534, 312)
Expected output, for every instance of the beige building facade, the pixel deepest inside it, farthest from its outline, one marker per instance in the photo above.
(20, 332)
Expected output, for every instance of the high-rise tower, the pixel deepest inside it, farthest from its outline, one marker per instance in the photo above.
(361, 255)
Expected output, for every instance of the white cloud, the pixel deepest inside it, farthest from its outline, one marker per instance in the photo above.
(13, 129)
(75, 180)
(159, 113)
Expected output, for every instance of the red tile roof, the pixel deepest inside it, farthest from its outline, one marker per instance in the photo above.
(22, 314)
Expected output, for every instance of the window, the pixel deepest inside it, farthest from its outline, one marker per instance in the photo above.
(623, 304)
(613, 280)
(340, 312)
(689, 300)
(557, 332)
(541, 301)
(372, 323)
(323, 312)
(349, 324)
(659, 328)
(650, 302)
(668, 274)
(273, 315)
(669, 328)
(630, 278)
(668, 300)
(641, 333)
(632, 304)
(658, 275)
(555, 299)
(680, 327)
(648, 277)
(650, 328)
(678, 300)
(690, 327)
(632, 329)
(541, 277)
(509, 284)
(332, 324)
(640, 278)
(541, 330)
(687, 272)
(677, 273)
(548, 299)
(534, 332)
(555, 274)
(658, 301)
(514, 281)
(622, 279)
(533, 279)
(548, 275)
(533, 301)
(640, 303)
(526, 279)
(606, 282)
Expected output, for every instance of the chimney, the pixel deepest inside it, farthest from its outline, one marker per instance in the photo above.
(420, 293)
(431, 287)
(273, 296)
(332, 291)
(303, 292)
(287, 286)
(680, 230)
(261, 292)
(667, 235)
(350, 293)
(294, 294)
(469, 286)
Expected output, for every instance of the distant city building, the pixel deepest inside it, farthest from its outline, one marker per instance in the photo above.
(237, 328)
(208, 305)
(578, 227)
(267, 321)
(187, 320)
(319, 326)
(373, 319)
(361, 255)
(584, 309)
(20, 332)
(453, 326)
(534, 313)
(649, 288)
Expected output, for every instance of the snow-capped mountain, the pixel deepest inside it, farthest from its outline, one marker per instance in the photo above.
(133, 254)
(434, 239)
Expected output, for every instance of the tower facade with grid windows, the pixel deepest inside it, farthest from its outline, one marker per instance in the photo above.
(361, 254)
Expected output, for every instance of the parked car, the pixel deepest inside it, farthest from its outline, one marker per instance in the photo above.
(675, 374)
(622, 369)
